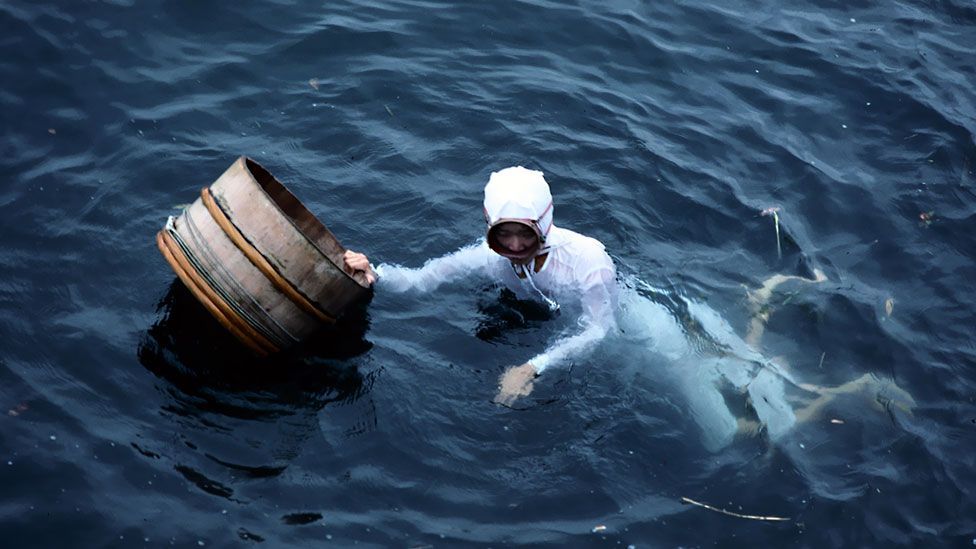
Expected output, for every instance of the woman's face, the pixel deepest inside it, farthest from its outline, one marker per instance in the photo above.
(516, 238)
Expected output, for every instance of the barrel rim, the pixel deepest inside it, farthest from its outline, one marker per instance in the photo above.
(247, 163)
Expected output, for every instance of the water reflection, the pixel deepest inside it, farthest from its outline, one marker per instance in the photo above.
(197, 356)
(240, 418)
(501, 312)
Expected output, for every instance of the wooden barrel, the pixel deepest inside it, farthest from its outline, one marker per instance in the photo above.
(266, 268)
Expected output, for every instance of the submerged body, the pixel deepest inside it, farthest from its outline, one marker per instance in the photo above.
(618, 313)
(702, 355)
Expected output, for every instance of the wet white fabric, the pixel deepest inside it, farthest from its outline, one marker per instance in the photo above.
(577, 268)
(699, 371)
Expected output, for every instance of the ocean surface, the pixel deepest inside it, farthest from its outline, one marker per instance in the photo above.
(128, 418)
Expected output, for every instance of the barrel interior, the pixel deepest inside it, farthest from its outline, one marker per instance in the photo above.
(296, 212)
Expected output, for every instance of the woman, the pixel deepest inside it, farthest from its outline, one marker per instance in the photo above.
(529, 255)
(526, 253)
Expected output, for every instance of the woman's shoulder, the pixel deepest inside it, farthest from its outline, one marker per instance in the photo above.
(579, 248)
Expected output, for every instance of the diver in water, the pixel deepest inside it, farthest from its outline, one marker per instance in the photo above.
(530, 256)
(524, 251)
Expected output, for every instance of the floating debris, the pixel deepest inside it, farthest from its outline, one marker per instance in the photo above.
(927, 218)
(52, 131)
(599, 528)
(774, 211)
(836, 421)
(889, 306)
(732, 514)
(388, 109)
(298, 519)
(17, 410)
(314, 82)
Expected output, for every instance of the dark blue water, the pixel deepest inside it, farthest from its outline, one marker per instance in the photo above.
(129, 419)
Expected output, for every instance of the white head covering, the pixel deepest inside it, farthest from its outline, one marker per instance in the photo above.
(519, 195)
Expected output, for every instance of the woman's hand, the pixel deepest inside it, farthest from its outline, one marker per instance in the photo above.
(516, 382)
(356, 261)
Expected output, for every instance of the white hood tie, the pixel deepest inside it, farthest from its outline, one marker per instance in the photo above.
(526, 271)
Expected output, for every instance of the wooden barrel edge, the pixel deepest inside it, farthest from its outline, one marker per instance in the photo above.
(210, 300)
(259, 261)
(358, 278)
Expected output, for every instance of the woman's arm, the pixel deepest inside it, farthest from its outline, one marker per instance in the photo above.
(599, 303)
(473, 259)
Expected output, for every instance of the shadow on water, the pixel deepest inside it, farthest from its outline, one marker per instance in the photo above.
(191, 351)
(241, 418)
(502, 313)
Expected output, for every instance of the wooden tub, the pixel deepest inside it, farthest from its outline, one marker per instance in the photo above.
(259, 261)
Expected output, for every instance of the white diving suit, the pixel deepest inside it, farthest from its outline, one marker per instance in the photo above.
(569, 267)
